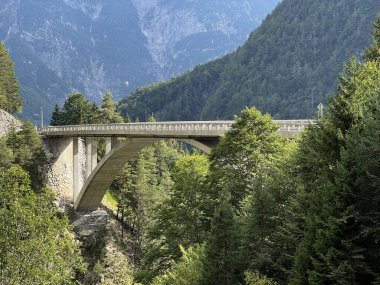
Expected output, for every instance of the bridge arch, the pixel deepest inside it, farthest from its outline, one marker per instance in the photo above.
(101, 178)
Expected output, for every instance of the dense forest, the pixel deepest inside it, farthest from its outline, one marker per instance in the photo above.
(287, 67)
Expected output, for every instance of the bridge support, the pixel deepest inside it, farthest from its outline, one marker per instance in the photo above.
(91, 155)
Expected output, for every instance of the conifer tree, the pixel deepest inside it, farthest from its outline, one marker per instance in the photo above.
(236, 160)
(337, 246)
(181, 218)
(220, 266)
(56, 116)
(78, 110)
(9, 88)
(108, 112)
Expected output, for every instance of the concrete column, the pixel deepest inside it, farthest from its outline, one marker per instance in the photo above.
(114, 142)
(94, 153)
(108, 144)
(76, 168)
(88, 156)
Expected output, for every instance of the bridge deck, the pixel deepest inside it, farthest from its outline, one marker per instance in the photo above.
(187, 129)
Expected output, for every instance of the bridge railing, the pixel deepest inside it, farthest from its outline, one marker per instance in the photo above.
(211, 127)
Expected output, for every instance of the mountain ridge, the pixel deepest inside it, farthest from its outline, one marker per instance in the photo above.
(287, 66)
(94, 46)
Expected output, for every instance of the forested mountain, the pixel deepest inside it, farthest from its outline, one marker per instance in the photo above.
(287, 66)
(93, 46)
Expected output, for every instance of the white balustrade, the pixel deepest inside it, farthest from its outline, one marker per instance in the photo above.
(211, 128)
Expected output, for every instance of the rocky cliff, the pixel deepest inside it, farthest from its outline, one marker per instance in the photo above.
(7, 121)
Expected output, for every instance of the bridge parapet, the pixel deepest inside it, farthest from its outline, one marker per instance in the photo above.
(164, 129)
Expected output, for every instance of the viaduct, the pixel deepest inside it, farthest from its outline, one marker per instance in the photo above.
(75, 169)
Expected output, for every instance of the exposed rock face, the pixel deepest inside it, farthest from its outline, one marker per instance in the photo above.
(7, 121)
(95, 45)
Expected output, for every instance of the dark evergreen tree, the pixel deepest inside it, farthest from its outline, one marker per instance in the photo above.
(10, 99)
(271, 233)
(336, 246)
(221, 251)
(27, 152)
(56, 116)
(78, 110)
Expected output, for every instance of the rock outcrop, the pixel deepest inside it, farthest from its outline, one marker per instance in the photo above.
(7, 121)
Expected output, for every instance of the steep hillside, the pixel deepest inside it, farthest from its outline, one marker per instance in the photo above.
(91, 46)
(287, 67)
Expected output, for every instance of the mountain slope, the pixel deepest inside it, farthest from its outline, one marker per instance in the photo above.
(287, 67)
(95, 45)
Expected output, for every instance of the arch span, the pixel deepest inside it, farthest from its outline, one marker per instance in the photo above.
(101, 178)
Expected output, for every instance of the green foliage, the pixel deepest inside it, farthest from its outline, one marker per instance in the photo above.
(10, 99)
(183, 218)
(107, 113)
(24, 148)
(56, 116)
(78, 110)
(341, 184)
(287, 66)
(236, 161)
(257, 279)
(269, 228)
(221, 249)
(187, 271)
(144, 183)
(35, 244)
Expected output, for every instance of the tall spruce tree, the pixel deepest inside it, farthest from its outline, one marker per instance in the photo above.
(221, 251)
(56, 116)
(10, 99)
(339, 180)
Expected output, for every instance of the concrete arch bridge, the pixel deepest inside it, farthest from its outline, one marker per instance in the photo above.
(75, 171)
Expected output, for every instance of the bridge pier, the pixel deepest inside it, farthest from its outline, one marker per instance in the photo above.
(111, 143)
(91, 155)
(76, 167)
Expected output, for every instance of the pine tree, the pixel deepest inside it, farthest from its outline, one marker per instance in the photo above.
(221, 250)
(78, 110)
(9, 88)
(56, 116)
(187, 271)
(108, 112)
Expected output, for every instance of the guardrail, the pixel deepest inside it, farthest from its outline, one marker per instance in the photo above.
(185, 129)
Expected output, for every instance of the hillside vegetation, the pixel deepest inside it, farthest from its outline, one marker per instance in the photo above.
(287, 66)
